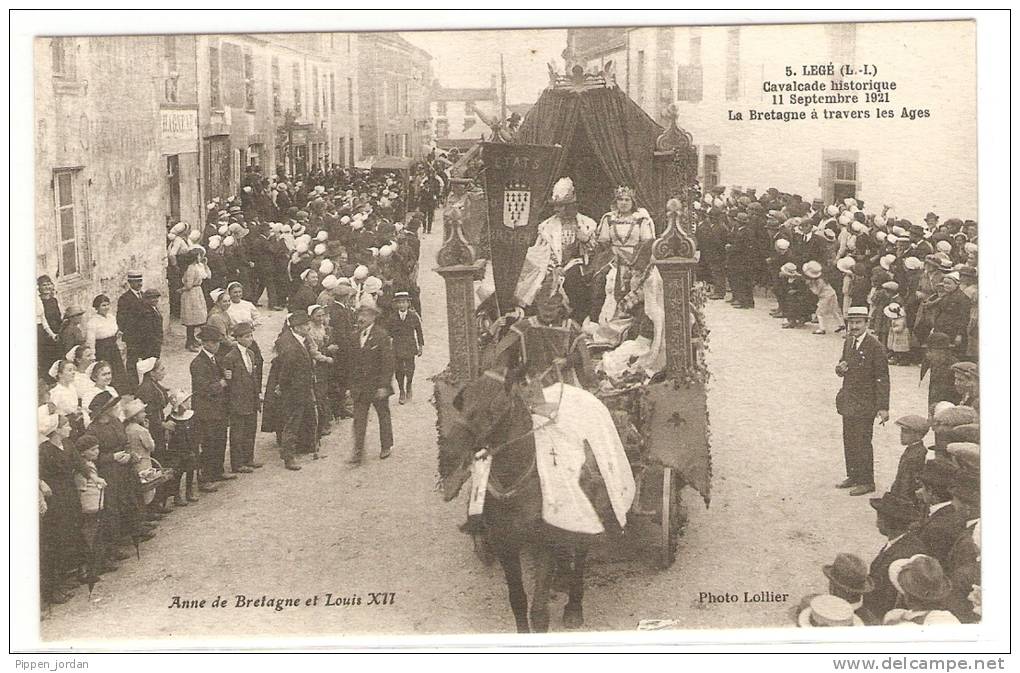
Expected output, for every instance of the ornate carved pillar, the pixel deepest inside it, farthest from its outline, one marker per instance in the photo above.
(674, 252)
(459, 269)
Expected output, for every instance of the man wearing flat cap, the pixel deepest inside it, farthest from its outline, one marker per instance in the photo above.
(209, 402)
(242, 368)
(951, 313)
(913, 429)
(864, 396)
(894, 517)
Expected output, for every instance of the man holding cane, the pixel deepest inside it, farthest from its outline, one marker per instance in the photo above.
(864, 396)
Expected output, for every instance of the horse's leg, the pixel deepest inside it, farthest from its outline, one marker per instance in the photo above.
(573, 616)
(545, 561)
(510, 559)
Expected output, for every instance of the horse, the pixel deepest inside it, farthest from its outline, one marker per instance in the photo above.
(490, 414)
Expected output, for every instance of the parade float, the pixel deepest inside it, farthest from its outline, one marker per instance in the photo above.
(584, 126)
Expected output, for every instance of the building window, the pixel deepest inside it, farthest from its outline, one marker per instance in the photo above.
(641, 78)
(350, 90)
(68, 202)
(405, 146)
(215, 95)
(350, 150)
(711, 172)
(840, 178)
(844, 180)
(689, 83)
(407, 94)
(690, 77)
(315, 91)
(170, 93)
(441, 107)
(62, 50)
(348, 44)
(332, 93)
(296, 75)
(325, 96)
(469, 122)
(249, 81)
(442, 129)
(275, 68)
(733, 64)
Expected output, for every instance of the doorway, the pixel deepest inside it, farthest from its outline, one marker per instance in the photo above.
(173, 176)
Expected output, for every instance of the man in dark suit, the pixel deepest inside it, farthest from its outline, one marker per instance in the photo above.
(242, 368)
(712, 239)
(951, 314)
(372, 366)
(942, 525)
(863, 397)
(130, 308)
(894, 518)
(295, 389)
(408, 341)
(209, 402)
(343, 335)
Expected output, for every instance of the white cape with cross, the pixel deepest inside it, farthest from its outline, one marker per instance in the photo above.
(559, 450)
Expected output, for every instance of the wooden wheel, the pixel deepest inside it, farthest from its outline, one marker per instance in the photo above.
(668, 525)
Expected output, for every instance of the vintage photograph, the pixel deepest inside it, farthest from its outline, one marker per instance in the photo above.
(414, 333)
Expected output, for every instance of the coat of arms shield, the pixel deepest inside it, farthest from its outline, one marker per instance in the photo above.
(516, 204)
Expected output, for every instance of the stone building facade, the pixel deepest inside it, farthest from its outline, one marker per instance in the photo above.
(100, 190)
(453, 114)
(136, 133)
(394, 105)
(915, 165)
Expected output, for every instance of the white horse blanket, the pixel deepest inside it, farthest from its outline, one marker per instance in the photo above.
(559, 457)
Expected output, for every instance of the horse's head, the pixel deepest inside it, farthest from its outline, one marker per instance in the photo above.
(469, 420)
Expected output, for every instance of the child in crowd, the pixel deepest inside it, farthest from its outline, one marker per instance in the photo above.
(898, 341)
(830, 319)
(183, 450)
(913, 430)
(90, 492)
(795, 298)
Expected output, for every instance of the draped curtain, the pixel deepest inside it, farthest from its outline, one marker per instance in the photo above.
(620, 134)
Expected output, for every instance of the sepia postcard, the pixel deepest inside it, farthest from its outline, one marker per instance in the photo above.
(429, 335)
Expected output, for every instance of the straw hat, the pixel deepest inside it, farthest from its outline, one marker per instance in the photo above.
(846, 264)
(133, 407)
(812, 270)
(828, 610)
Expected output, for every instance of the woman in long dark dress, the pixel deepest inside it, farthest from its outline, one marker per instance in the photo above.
(121, 514)
(48, 321)
(102, 334)
(156, 397)
(62, 547)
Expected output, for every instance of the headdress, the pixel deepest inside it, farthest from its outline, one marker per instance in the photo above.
(563, 191)
(624, 191)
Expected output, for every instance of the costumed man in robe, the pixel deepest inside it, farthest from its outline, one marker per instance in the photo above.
(571, 240)
(549, 346)
(633, 306)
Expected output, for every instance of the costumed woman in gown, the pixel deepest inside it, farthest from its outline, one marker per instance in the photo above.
(633, 286)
